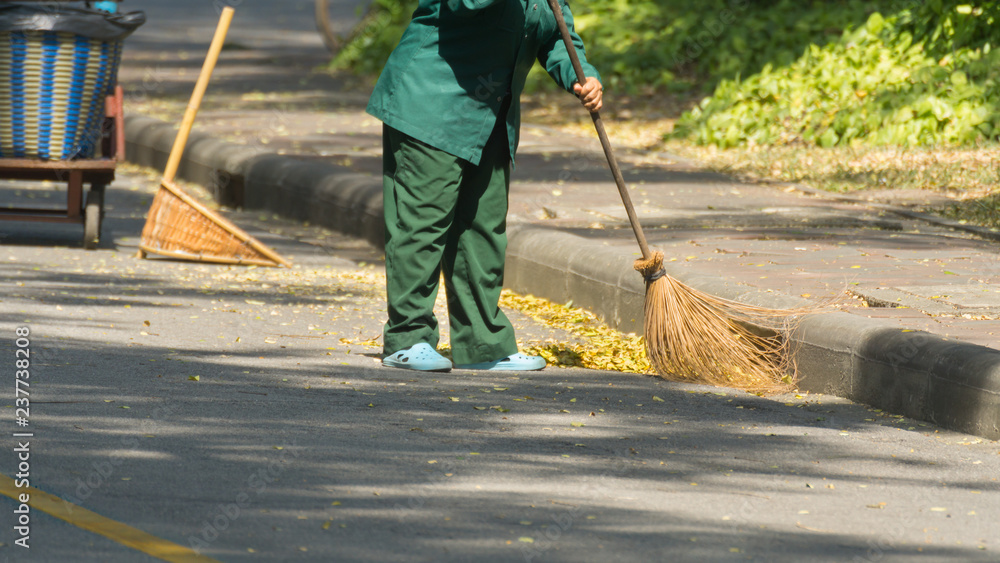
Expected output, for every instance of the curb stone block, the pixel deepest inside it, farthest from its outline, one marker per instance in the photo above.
(531, 268)
(562, 267)
(630, 299)
(886, 375)
(959, 382)
(913, 373)
(823, 347)
(594, 282)
(317, 192)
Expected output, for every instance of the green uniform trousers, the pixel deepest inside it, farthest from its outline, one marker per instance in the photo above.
(444, 214)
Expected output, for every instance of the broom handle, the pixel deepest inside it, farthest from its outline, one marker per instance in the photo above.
(174, 162)
(640, 237)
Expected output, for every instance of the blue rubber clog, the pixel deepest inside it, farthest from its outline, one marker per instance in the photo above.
(514, 362)
(420, 357)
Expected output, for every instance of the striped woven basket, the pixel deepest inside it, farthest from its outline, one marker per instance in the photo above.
(52, 91)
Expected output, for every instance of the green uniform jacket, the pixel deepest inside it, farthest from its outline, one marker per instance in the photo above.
(445, 82)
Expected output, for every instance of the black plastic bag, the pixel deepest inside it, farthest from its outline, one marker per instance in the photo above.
(94, 24)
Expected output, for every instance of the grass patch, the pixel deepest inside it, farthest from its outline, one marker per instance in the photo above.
(961, 183)
(984, 210)
(953, 171)
(885, 83)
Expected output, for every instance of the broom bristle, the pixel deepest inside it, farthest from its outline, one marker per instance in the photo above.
(697, 337)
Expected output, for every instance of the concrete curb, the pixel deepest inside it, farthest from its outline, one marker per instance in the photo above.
(912, 373)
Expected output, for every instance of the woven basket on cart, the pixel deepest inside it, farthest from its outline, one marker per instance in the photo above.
(178, 226)
(57, 65)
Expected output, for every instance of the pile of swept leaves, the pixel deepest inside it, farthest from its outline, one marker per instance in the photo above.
(599, 346)
(924, 76)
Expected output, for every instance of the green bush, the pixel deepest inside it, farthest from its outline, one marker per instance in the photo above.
(657, 44)
(375, 37)
(917, 78)
(682, 45)
(835, 72)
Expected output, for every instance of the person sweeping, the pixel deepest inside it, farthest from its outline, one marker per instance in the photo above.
(448, 98)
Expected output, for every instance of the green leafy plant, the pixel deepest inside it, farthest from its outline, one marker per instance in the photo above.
(916, 78)
(374, 38)
(656, 44)
(822, 73)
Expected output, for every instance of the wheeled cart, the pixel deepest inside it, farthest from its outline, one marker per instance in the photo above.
(60, 106)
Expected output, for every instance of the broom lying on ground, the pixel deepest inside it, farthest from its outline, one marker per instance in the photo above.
(177, 225)
(691, 335)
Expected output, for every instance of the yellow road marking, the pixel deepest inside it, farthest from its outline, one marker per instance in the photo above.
(93, 522)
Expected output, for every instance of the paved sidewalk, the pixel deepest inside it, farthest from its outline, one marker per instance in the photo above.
(918, 334)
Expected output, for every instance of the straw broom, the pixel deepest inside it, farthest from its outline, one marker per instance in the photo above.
(691, 335)
(180, 227)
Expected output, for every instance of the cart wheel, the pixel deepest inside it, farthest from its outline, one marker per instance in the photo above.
(93, 215)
